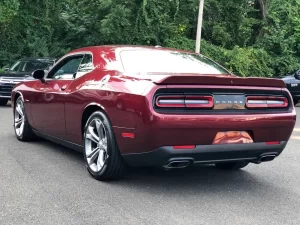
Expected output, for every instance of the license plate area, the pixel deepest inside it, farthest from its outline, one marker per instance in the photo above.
(232, 101)
(232, 137)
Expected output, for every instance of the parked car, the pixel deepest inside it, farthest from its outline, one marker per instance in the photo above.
(144, 106)
(18, 72)
(292, 82)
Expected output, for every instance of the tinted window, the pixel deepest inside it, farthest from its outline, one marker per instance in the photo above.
(168, 62)
(15, 67)
(31, 65)
(85, 66)
(67, 68)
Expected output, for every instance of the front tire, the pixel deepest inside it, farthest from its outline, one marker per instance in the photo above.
(3, 101)
(101, 153)
(22, 128)
(231, 165)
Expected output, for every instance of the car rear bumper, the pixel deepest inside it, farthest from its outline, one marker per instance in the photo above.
(201, 130)
(206, 154)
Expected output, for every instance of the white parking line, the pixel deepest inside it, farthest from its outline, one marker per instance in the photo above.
(296, 129)
(295, 137)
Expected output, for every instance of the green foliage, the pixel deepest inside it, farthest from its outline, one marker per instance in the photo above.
(251, 38)
(282, 35)
(246, 61)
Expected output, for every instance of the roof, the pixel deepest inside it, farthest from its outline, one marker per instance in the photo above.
(38, 58)
(114, 47)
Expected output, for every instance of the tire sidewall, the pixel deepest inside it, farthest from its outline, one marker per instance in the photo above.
(110, 143)
(20, 137)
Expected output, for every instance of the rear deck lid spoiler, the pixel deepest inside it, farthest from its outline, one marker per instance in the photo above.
(217, 80)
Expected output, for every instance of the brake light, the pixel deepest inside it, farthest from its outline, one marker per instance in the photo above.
(185, 101)
(170, 101)
(199, 101)
(266, 102)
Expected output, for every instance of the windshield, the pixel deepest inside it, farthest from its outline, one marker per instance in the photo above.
(15, 67)
(161, 61)
(31, 65)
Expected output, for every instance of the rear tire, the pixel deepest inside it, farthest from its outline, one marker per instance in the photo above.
(232, 165)
(3, 101)
(101, 153)
(22, 128)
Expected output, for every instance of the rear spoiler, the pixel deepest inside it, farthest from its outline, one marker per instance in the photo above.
(221, 80)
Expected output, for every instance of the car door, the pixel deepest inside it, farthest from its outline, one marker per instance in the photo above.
(73, 101)
(48, 102)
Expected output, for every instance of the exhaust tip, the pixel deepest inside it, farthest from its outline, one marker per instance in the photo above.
(265, 158)
(177, 164)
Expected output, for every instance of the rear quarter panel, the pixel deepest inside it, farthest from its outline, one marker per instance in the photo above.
(120, 97)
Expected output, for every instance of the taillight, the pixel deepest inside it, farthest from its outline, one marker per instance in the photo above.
(185, 101)
(170, 101)
(266, 102)
(199, 101)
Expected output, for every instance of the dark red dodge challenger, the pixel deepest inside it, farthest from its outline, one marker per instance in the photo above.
(151, 106)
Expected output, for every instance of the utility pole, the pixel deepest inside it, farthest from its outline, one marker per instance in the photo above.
(199, 27)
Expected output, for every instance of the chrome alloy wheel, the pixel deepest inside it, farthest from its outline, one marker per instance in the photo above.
(19, 118)
(96, 145)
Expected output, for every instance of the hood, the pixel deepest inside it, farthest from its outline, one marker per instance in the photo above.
(5, 78)
(19, 75)
(288, 79)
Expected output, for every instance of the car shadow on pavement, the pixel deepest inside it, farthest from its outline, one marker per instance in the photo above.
(193, 175)
(67, 152)
(201, 178)
(6, 106)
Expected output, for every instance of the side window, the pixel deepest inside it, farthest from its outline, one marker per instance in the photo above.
(66, 69)
(22, 66)
(15, 67)
(86, 65)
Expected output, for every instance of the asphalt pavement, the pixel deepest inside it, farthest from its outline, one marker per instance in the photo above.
(44, 183)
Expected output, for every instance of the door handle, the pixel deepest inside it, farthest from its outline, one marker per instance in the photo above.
(64, 87)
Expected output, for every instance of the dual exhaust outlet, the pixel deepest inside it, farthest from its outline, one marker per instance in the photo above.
(180, 164)
(266, 158)
(177, 164)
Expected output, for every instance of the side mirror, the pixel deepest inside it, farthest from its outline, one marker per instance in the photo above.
(39, 75)
(6, 69)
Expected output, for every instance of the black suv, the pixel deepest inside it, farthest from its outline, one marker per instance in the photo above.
(19, 72)
(292, 82)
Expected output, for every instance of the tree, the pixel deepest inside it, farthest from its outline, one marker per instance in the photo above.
(252, 38)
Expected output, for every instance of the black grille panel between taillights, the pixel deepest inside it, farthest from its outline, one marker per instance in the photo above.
(195, 101)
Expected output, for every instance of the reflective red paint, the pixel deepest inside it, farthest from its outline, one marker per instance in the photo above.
(127, 99)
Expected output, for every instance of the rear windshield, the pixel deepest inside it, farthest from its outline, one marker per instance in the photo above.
(162, 61)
